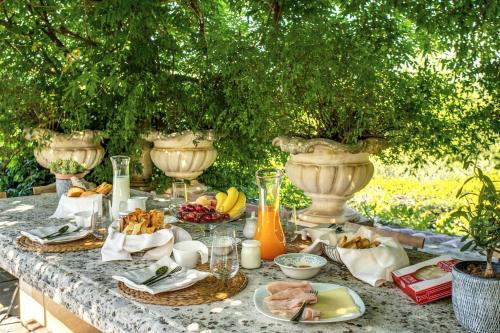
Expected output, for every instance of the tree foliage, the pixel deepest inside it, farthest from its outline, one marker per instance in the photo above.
(422, 74)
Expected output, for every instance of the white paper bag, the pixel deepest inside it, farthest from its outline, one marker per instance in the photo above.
(373, 265)
(68, 206)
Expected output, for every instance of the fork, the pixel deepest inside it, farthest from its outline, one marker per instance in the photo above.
(298, 315)
(64, 234)
(173, 271)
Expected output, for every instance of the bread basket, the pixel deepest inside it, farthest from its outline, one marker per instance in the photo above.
(332, 252)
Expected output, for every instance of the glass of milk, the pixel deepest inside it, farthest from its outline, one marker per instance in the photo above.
(121, 183)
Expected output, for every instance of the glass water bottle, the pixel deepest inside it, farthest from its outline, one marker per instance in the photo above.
(121, 183)
(269, 231)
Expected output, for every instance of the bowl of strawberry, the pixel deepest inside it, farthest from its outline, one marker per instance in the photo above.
(198, 213)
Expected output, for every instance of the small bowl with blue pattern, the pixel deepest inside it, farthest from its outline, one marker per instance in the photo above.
(300, 266)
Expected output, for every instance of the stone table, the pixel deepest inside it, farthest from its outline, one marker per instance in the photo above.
(82, 283)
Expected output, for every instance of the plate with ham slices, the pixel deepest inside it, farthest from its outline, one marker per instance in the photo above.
(333, 303)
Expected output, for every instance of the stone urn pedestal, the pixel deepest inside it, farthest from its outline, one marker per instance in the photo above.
(63, 182)
(83, 147)
(328, 172)
(183, 155)
(142, 181)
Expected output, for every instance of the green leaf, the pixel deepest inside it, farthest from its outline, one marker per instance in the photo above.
(467, 246)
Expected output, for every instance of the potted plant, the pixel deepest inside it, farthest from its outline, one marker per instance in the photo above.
(64, 170)
(83, 147)
(476, 284)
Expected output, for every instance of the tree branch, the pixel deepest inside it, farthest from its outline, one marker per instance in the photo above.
(47, 26)
(195, 6)
(64, 31)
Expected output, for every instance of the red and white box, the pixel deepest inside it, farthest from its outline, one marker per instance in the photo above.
(427, 281)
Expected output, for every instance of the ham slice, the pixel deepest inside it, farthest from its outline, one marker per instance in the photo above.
(308, 314)
(276, 287)
(286, 297)
(286, 294)
(293, 301)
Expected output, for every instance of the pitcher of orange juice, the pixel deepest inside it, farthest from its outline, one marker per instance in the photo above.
(269, 231)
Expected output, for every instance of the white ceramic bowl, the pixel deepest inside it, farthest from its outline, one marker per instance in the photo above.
(300, 266)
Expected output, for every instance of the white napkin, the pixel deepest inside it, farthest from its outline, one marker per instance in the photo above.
(316, 235)
(183, 279)
(119, 246)
(68, 206)
(37, 234)
(374, 265)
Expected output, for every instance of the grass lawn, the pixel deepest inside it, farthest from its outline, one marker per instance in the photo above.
(421, 201)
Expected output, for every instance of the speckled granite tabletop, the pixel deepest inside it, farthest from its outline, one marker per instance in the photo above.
(82, 283)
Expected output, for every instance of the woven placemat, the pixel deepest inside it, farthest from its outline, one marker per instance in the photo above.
(87, 243)
(205, 291)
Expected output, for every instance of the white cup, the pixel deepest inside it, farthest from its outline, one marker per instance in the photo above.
(83, 219)
(186, 253)
(136, 202)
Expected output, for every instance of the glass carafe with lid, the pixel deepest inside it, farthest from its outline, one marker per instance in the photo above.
(121, 183)
(269, 231)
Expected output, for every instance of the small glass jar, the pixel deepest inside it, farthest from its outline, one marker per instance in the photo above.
(250, 254)
(250, 227)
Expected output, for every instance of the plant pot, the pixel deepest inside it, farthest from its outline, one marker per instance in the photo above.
(141, 181)
(476, 300)
(329, 173)
(81, 147)
(63, 182)
(183, 155)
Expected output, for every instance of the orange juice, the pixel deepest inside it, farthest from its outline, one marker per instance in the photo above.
(269, 233)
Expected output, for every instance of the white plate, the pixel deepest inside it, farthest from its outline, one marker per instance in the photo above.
(37, 234)
(72, 237)
(183, 279)
(261, 306)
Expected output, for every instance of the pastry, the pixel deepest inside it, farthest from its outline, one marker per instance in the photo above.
(103, 189)
(140, 222)
(357, 243)
(88, 193)
(75, 191)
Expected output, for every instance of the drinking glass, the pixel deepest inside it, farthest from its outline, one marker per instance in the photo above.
(224, 262)
(177, 197)
(178, 187)
(101, 220)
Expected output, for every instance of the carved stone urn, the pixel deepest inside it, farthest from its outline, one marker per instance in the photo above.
(183, 155)
(329, 173)
(83, 147)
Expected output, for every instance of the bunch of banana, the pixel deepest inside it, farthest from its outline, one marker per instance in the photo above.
(231, 202)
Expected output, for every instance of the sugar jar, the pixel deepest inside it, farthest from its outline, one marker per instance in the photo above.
(250, 254)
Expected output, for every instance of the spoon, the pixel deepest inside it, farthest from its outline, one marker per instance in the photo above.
(159, 272)
(175, 270)
(65, 233)
(61, 230)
